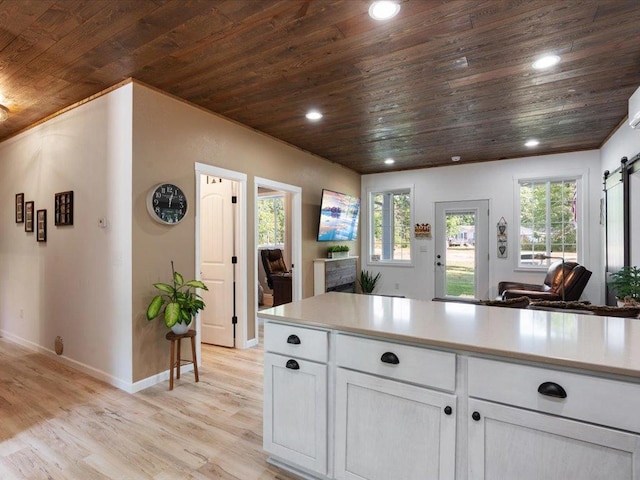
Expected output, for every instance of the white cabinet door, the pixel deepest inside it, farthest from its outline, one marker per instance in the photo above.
(295, 411)
(510, 443)
(391, 430)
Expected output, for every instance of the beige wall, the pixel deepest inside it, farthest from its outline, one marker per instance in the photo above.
(77, 284)
(169, 137)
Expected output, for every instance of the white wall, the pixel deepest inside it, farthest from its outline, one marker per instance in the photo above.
(493, 181)
(625, 142)
(76, 285)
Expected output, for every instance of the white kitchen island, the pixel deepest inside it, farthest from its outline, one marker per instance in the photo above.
(372, 387)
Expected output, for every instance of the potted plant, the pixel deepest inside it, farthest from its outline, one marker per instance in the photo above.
(368, 281)
(626, 285)
(180, 301)
(338, 251)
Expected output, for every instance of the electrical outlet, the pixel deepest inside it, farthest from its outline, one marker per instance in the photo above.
(397, 286)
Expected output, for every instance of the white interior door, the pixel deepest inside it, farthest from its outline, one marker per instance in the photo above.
(462, 249)
(217, 225)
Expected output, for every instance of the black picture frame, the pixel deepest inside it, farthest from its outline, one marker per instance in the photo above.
(28, 216)
(41, 225)
(19, 207)
(63, 209)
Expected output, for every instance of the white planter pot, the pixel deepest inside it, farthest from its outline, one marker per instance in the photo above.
(338, 254)
(180, 328)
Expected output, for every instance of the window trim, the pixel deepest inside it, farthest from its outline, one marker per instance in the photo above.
(368, 226)
(581, 180)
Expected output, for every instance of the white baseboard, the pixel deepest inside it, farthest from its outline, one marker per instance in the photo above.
(84, 368)
(94, 372)
(158, 378)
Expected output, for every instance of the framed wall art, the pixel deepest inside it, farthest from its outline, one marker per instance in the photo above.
(19, 207)
(63, 208)
(28, 216)
(502, 238)
(41, 225)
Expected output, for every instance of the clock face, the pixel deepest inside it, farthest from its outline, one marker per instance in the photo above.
(167, 204)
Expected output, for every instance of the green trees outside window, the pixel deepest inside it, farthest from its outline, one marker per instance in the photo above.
(548, 220)
(390, 220)
(271, 221)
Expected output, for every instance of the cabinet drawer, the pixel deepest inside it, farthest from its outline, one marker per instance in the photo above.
(416, 365)
(296, 341)
(597, 400)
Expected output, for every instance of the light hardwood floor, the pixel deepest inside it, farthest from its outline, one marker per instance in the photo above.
(58, 423)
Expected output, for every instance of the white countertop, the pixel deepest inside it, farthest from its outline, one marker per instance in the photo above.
(603, 344)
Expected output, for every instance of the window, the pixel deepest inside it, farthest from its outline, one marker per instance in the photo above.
(271, 225)
(390, 226)
(549, 225)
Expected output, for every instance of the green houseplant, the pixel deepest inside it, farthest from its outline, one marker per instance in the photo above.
(178, 303)
(626, 284)
(368, 281)
(338, 251)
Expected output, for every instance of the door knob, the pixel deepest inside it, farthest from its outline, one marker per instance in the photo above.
(440, 264)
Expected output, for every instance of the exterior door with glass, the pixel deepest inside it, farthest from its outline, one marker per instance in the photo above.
(462, 249)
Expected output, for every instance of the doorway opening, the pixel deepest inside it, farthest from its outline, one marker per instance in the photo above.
(278, 215)
(462, 250)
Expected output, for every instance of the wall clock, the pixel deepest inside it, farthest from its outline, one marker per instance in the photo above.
(167, 203)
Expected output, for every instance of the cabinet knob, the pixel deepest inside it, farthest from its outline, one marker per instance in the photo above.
(551, 389)
(390, 357)
(293, 340)
(292, 365)
(476, 416)
(448, 410)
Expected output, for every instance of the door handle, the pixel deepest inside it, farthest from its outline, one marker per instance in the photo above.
(440, 264)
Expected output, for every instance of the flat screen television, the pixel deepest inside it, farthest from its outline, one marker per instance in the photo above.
(339, 215)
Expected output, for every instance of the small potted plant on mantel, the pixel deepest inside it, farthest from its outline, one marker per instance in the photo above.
(626, 285)
(338, 251)
(180, 301)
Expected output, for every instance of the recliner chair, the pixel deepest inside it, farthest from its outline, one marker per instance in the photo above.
(575, 279)
(273, 263)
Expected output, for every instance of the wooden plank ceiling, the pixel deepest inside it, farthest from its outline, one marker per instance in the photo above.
(443, 78)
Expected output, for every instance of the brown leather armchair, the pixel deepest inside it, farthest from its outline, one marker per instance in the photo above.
(273, 263)
(575, 279)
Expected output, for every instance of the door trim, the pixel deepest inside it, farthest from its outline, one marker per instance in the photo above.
(241, 238)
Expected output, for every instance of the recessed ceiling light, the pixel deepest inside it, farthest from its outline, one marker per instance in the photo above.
(383, 10)
(313, 115)
(389, 161)
(4, 113)
(532, 143)
(455, 158)
(546, 62)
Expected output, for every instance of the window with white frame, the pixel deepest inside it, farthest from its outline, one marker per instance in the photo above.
(271, 221)
(390, 226)
(549, 221)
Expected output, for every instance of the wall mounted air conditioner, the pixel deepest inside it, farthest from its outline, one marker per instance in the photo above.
(634, 110)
